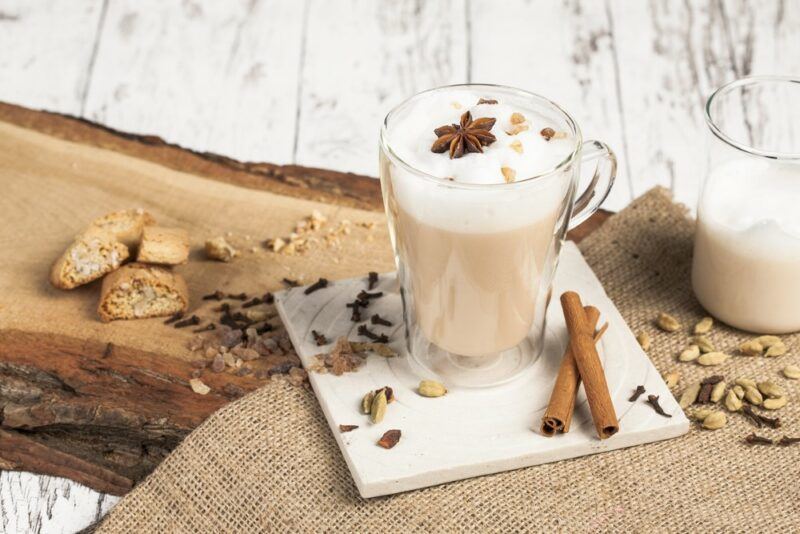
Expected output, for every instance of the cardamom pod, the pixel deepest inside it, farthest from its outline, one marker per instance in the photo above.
(703, 344)
(770, 389)
(792, 372)
(667, 322)
(644, 340)
(689, 395)
(718, 391)
(775, 404)
(732, 401)
(751, 348)
(738, 391)
(712, 358)
(672, 378)
(752, 395)
(744, 382)
(778, 349)
(366, 403)
(692, 352)
(704, 326)
(431, 388)
(378, 409)
(715, 420)
(701, 413)
(768, 341)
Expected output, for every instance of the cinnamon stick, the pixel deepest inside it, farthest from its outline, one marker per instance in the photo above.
(558, 415)
(588, 362)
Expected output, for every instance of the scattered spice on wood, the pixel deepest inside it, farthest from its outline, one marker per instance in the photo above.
(364, 295)
(238, 296)
(191, 321)
(216, 295)
(760, 420)
(652, 400)
(206, 328)
(255, 301)
(389, 439)
(367, 333)
(264, 328)
(268, 298)
(224, 308)
(198, 386)
(316, 286)
(108, 350)
(319, 338)
(175, 317)
(636, 394)
(347, 428)
(290, 283)
(377, 319)
(786, 440)
(372, 280)
(232, 390)
(755, 439)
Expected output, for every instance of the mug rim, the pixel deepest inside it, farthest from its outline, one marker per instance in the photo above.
(566, 162)
(725, 138)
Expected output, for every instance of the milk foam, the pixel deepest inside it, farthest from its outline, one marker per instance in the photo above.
(465, 209)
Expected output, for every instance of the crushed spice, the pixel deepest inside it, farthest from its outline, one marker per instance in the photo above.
(389, 439)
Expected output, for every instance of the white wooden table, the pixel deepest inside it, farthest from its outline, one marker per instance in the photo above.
(309, 81)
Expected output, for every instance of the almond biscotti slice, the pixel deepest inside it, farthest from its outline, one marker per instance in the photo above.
(168, 246)
(139, 290)
(90, 256)
(125, 225)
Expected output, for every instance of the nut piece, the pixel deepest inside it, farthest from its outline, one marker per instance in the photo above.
(777, 349)
(378, 408)
(667, 322)
(692, 352)
(516, 146)
(771, 389)
(366, 403)
(775, 404)
(752, 395)
(792, 372)
(751, 348)
(718, 391)
(199, 387)
(715, 421)
(704, 344)
(509, 174)
(219, 249)
(644, 340)
(712, 358)
(704, 326)
(431, 388)
(732, 401)
(517, 118)
(672, 378)
(689, 395)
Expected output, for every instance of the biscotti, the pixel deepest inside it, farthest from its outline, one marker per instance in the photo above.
(92, 254)
(168, 246)
(125, 225)
(139, 290)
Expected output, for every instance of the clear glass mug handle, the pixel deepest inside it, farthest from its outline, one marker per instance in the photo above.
(599, 187)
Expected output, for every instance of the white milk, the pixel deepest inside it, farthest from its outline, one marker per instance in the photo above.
(746, 269)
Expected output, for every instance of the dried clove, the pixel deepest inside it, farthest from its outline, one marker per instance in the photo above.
(366, 332)
(264, 328)
(760, 420)
(108, 350)
(319, 338)
(175, 317)
(364, 295)
(372, 280)
(786, 440)
(707, 387)
(755, 439)
(191, 321)
(290, 283)
(316, 286)
(389, 439)
(206, 328)
(357, 305)
(636, 394)
(255, 301)
(377, 319)
(347, 428)
(216, 295)
(268, 298)
(239, 296)
(224, 308)
(652, 400)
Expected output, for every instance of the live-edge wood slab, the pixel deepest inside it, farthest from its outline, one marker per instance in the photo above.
(104, 403)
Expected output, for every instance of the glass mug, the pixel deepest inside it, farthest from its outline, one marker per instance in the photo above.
(475, 262)
(746, 265)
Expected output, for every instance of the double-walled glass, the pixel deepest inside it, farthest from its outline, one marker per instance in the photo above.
(476, 261)
(746, 267)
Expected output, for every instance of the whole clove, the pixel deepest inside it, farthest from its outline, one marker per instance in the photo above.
(760, 420)
(264, 328)
(786, 440)
(652, 400)
(290, 283)
(364, 295)
(268, 298)
(755, 439)
(191, 321)
(372, 280)
(377, 319)
(316, 286)
(216, 295)
(206, 328)
(238, 296)
(636, 394)
(366, 332)
(707, 387)
(108, 350)
(357, 305)
(175, 317)
(255, 301)
(224, 308)
(319, 338)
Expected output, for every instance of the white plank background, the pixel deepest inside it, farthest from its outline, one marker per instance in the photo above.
(309, 81)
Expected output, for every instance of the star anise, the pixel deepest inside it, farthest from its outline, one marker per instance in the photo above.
(467, 136)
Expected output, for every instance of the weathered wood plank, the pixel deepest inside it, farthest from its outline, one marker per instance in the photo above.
(362, 58)
(46, 51)
(562, 50)
(210, 76)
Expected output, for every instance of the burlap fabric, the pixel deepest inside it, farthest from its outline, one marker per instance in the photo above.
(268, 462)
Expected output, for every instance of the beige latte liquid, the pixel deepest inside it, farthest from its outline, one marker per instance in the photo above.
(475, 294)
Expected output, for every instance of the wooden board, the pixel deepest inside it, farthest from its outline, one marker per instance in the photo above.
(107, 418)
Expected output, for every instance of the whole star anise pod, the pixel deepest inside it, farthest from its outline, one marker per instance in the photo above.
(468, 136)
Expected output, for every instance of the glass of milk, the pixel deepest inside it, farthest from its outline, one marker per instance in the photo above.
(477, 237)
(746, 267)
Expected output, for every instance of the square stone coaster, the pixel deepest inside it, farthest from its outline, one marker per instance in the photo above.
(470, 432)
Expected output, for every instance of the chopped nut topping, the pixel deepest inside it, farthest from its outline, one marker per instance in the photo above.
(517, 128)
(487, 101)
(517, 118)
(509, 174)
(516, 146)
